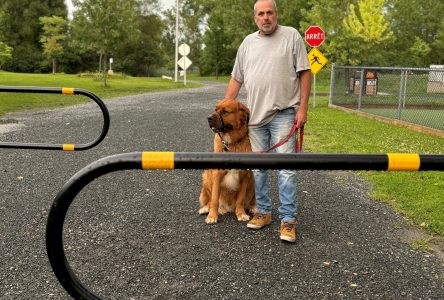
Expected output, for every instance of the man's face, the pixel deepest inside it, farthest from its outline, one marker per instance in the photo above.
(265, 17)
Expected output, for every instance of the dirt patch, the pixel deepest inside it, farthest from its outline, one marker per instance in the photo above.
(411, 235)
(9, 126)
(8, 121)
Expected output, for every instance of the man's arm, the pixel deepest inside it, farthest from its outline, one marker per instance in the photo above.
(233, 89)
(305, 85)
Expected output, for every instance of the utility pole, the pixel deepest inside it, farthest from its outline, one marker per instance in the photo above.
(177, 41)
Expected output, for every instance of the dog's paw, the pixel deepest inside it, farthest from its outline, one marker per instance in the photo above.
(243, 218)
(203, 210)
(211, 219)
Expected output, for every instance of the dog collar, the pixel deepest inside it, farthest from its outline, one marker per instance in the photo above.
(225, 144)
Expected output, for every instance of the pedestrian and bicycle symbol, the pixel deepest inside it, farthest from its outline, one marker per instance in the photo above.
(317, 60)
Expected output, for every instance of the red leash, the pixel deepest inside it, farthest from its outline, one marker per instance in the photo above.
(299, 140)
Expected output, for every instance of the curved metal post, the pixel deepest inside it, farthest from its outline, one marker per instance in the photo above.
(55, 90)
(206, 160)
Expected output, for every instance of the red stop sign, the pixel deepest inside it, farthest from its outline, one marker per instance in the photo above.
(314, 36)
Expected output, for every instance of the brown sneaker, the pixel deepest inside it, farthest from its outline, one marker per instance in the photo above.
(288, 231)
(259, 220)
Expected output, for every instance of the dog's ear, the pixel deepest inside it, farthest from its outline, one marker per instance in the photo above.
(245, 114)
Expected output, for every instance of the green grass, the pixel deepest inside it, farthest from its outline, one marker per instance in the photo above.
(389, 100)
(425, 117)
(417, 195)
(422, 245)
(223, 78)
(118, 86)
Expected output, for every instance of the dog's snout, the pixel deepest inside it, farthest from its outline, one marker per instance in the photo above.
(210, 120)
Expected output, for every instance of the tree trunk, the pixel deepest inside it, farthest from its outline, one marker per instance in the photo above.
(100, 61)
(105, 73)
(54, 66)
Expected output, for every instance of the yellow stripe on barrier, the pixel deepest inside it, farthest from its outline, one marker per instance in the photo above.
(403, 162)
(157, 160)
(68, 91)
(68, 147)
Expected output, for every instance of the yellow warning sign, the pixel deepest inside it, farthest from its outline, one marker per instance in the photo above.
(317, 60)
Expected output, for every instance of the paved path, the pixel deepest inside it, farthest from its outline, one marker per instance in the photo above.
(137, 234)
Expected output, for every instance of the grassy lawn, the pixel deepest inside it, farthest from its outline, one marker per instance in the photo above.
(118, 86)
(426, 117)
(417, 195)
(193, 76)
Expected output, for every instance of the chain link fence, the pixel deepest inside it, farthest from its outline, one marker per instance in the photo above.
(413, 95)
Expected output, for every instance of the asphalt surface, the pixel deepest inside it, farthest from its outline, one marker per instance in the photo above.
(137, 234)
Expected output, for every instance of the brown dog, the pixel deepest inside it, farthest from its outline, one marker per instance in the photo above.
(228, 190)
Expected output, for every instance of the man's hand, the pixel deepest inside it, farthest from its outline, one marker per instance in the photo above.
(301, 117)
(305, 85)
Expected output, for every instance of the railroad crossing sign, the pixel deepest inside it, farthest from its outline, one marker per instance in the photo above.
(314, 36)
(317, 60)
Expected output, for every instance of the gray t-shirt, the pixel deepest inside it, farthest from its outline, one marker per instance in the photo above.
(267, 65)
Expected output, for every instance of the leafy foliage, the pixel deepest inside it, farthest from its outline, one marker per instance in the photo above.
(369, 31)
(54, 29)
(415, 18)
(5, 53)
(141, 38)
(21, 28)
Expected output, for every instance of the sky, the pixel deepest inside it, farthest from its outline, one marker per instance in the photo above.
(165, 5)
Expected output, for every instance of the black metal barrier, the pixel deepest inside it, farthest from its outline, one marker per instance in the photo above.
(172, 160)
(66, 91)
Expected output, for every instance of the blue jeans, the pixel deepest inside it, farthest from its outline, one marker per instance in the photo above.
(263, 138)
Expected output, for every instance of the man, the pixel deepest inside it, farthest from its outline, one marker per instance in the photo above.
(272, 63)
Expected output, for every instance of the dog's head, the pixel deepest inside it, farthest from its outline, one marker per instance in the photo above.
(229, 115)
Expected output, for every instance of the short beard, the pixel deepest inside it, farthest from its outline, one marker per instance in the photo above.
(268, 31)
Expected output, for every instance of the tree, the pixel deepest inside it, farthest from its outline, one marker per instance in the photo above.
(142, 52)
(438, 46)
(103, 25)
(5, 50)
(5, 54)
(215, 59)
(415, 18)
(54, 29)
(368, 31)
(227, 24)
(22, 29)
(419, 52)
(293, 14)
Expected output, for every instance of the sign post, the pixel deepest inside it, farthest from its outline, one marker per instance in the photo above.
(314, 36)
(176, 55)
(110, 71)
(184, 62)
